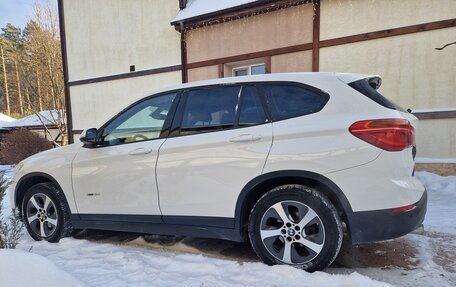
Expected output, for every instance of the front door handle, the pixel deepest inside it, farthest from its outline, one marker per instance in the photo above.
(245, 138)
(140, 151)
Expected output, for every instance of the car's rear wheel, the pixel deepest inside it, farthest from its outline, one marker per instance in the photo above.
(45, 213)
(295, 225)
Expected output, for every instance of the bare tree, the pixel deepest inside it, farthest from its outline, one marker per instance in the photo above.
(48, 43)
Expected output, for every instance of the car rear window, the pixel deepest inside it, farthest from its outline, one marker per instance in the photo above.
(367, 87)
(287, 101)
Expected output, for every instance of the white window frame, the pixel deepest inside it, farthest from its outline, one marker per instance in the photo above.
(248, 68)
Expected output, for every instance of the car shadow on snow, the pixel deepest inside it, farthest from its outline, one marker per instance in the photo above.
(238, 251)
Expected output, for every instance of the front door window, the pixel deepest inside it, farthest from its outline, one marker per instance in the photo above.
(141, 122)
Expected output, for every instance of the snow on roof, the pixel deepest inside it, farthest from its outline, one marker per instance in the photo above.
(4, 119)
(201, 7)
(47, 117)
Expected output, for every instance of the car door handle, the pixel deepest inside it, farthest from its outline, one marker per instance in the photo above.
(245, 138)
(140, 151)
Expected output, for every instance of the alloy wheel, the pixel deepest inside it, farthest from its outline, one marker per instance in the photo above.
(41, 215)
(292, 232)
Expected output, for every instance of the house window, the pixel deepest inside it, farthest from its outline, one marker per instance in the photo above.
(257, 69)
(240, 72)
(249, 70)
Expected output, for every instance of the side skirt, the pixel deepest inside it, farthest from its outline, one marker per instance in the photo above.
(204, 227)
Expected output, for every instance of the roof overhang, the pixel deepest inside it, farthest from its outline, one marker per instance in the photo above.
(232, 13)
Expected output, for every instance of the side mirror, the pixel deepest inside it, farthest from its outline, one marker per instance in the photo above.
(89, 137)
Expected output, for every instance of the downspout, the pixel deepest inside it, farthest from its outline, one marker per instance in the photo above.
(69, 115)
(183, 53)
(316, 37)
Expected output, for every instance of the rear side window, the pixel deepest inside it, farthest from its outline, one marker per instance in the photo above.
(368, 87)
(287, 101)
(210, 109)
(251, 111)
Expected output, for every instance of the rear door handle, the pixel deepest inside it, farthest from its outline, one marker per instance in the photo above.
(140, 151)
(245, 138)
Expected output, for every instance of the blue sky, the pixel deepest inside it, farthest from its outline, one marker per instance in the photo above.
(15, 11)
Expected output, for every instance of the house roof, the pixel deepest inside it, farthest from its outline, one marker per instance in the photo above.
(199, 8)
(47, 117)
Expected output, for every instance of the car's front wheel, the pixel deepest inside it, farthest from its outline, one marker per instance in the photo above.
(295, 225)
(45, 213)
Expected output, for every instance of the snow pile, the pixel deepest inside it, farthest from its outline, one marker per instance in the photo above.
(46, 117)
(24, 269)
(201, 7)
(441, 202)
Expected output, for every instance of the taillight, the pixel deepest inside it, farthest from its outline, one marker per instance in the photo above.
(387, 134)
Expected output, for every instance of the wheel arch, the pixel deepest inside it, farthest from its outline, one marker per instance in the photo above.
(257, 187)
(29, 180)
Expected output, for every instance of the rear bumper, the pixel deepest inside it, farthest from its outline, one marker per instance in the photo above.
(378, 225)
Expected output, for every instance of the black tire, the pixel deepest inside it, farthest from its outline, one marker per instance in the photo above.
(312, 235)
(51, 224)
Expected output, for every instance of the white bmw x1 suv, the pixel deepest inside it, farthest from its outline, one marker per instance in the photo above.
(287, 161)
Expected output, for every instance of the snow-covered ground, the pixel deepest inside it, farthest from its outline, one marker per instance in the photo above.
(118, 259)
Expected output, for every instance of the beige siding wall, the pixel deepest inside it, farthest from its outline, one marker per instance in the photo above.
(203, 73)
(277, 29)
(292, 62)
(105, 37)
(93, 104)
(415, 75)
(341, 18)
(436, 138)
